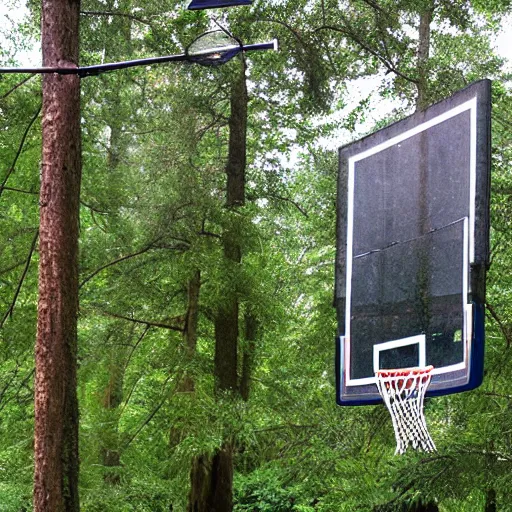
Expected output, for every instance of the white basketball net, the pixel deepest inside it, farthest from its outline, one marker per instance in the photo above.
(403, 392)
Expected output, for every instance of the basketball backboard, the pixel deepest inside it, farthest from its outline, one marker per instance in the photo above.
(413, 248)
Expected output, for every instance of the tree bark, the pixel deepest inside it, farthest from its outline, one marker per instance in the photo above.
(210, 478)
(226, 341)
(56, 406)
(200, 484)
(235, 167)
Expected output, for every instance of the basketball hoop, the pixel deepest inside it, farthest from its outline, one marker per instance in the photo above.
(403, 392)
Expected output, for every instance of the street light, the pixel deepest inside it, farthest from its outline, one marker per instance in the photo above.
(209, 49)
(214, 4)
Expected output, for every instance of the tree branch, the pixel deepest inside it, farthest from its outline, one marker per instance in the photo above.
(387, 64)
(284, 24)
(503, 328)
(141, 337)
(20, 149)
(291, 201)
(9, 380)
(130, 394)
(116, 13)
(498, 395)
(17, 394)
(127, 362)
(376, 6)
(118, 260)
(12, 189)
(92, 208)
(203, 232)
(12, 267)
(16, 87)
(9, 312)
(145, 322)
(150, 417)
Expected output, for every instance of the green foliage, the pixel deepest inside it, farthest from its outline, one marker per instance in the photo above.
(264, 490)
(153, 213)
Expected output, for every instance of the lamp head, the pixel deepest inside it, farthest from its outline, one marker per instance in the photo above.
(215, 4)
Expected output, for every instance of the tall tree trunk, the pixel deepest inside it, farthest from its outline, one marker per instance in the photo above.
(490, 501)
(226, 321)
(226, 328)
(422, 100)
(212, 478)
(237, 152)
(56, 406)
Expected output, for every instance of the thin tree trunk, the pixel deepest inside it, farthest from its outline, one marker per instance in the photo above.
(226, 339)
(113, 395)
(56, 406)
(422, 99)
(212, 478)
(226, 321)
(237, 152)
